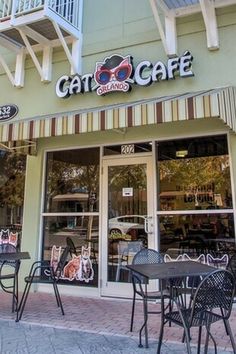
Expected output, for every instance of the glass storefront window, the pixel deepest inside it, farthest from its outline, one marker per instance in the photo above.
(194, 196)
(72, 181)
(194, 174)
(196, 233)
(59, 231)
(12, 185)
(71, 196)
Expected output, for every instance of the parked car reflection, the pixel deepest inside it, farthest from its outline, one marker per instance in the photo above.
(131, 225)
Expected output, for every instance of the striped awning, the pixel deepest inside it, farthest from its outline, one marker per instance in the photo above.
(217, 103)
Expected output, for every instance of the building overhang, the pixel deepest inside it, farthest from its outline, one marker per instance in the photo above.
(166, 12)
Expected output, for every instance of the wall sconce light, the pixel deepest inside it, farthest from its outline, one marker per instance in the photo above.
(181, 153)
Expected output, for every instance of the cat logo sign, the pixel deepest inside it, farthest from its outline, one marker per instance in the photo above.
(113, 74)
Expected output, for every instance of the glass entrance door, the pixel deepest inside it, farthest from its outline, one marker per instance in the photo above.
(127, 219)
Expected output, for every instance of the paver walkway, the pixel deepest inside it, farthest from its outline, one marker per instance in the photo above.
(90, 325)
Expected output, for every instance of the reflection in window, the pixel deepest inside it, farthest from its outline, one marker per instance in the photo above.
(72, 181)
(72, 186)
(127, 190)
(80, 233)
(194, 174)
(127, 186)
(197, 234)
(12, 183)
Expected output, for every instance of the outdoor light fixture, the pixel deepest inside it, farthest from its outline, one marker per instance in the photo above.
(181, 153)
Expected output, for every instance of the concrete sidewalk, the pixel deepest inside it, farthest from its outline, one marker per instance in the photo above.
(22, 338)
(90, 325)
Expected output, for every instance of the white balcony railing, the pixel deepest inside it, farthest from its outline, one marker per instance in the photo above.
(23, 6)
(66, 9)
(5, 9)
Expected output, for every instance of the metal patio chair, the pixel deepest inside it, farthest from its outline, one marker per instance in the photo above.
(212, 302)
(43, 272)
(9, 274)
(145, 256)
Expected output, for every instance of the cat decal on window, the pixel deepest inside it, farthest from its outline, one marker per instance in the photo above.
(85, 272)
(55, 257)
(4, 236)
(72, 268)
(13, 238)
(113, 74)
(80, 267)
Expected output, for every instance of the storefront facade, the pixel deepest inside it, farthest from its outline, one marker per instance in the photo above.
(139, 146)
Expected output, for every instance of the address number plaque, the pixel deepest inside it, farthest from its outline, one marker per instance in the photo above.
(127, 149)
(8, 111)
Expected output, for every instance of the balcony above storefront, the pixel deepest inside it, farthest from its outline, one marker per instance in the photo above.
(32, 26)
(166, 13)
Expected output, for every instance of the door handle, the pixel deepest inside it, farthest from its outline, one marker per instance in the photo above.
(148, 225)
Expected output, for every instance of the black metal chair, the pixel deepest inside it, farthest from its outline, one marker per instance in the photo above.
(9, 274)
(145, 256)
(212, 302)
(43, 272)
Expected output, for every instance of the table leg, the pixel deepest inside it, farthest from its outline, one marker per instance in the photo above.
(144, 326)
(162, 319)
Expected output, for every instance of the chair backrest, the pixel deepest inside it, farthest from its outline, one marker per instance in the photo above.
(128, 249)
(62, 261)
(144, 256)
(215, 292)
(148, 256)
(193, 282)
(174, 282)
(71, 245)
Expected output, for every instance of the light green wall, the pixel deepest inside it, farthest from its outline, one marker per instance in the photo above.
(130, 29)
(31, 220)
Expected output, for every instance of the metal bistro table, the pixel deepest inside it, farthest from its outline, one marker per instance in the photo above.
(14, 256)
(165, 271)
(6, 257)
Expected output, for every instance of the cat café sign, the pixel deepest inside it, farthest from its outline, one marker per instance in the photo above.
(117, 73)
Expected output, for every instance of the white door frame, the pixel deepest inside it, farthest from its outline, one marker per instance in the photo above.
(117, 288)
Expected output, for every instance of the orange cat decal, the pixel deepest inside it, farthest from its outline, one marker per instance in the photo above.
(72, 267)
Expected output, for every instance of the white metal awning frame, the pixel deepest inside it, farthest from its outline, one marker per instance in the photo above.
(24, 146)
